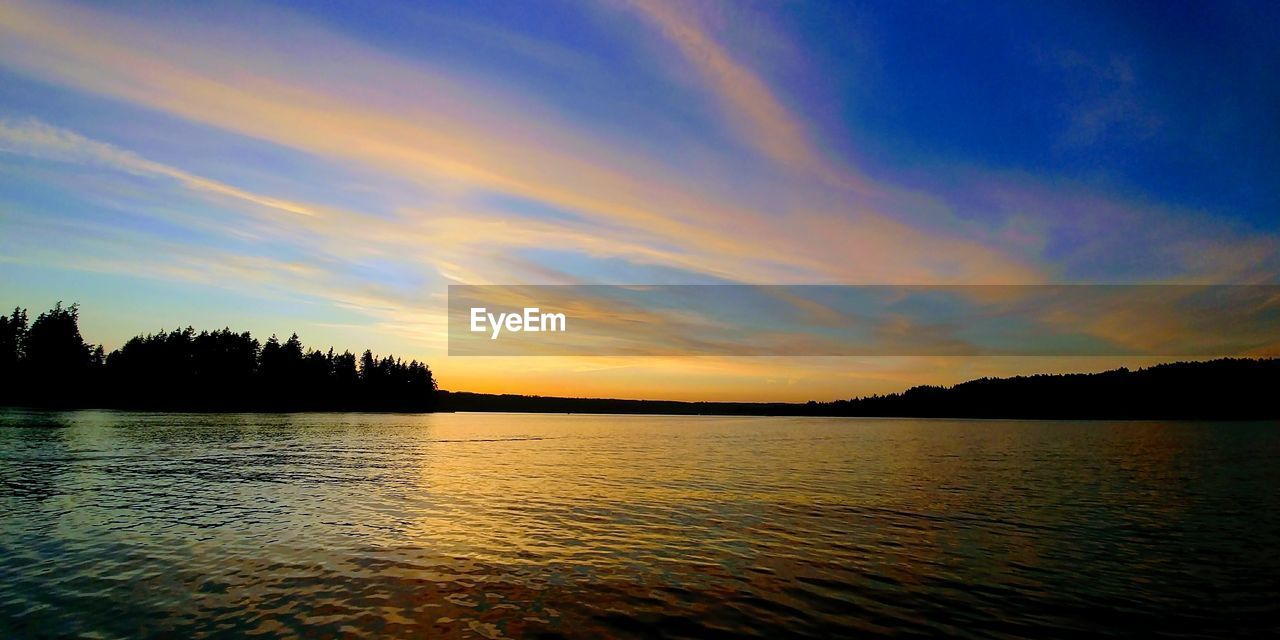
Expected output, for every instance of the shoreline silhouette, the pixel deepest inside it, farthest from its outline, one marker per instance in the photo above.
(46, 363)
(1223, 389)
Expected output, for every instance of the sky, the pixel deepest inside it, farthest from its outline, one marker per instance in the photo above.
(330, 168)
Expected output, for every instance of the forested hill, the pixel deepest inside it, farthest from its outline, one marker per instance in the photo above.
(1228, 389)
(1223, 389)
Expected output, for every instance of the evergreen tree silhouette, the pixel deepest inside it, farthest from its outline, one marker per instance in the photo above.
(48, 363)
(57, 361)
(13, 335)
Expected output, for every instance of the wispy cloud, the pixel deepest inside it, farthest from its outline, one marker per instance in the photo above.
(434, 131)
(39, 140)
(758, 114)
(491, 176)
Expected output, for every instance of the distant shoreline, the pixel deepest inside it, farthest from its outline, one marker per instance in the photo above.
(1226, 389)
(178, 412)
(46, 363)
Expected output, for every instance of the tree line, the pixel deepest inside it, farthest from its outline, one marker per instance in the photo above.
(1224, 389)
(46, 362)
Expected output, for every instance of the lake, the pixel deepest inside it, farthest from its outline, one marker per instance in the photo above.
(123, 525)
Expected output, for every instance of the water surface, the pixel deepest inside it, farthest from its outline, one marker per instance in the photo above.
(489, 525)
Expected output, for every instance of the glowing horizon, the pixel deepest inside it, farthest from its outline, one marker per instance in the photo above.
(329, 171)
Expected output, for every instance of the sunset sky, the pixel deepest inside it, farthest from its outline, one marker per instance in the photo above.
(330, 169)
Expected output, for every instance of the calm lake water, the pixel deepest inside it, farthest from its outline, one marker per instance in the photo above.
(485, 525)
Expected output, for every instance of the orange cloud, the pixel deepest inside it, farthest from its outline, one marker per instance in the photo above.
(434, 130)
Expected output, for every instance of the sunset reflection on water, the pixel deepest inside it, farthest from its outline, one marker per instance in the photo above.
(492, 525)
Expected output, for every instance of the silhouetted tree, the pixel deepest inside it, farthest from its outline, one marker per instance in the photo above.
(56, 359)
(271, 364)
(291, 357)
(49, 363)
(53, 342)
(368, 368)
(13, 335)
(345, 374)
(182, 369)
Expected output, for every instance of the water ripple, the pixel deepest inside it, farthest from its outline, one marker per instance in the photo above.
(489, 526)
